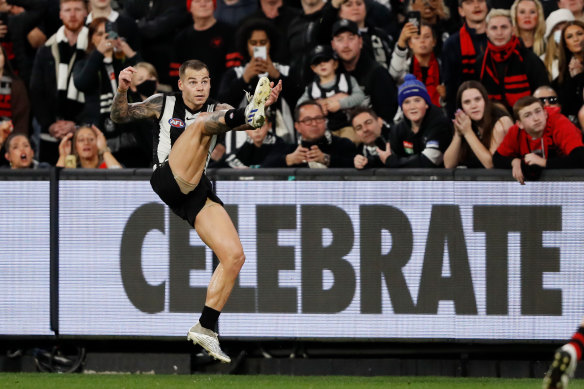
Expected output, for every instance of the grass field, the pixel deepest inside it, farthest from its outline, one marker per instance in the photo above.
(127, 381)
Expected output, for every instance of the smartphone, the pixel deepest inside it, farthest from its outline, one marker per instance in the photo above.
(111, 30)
(307, 144)
(260, 52)
(414, 17)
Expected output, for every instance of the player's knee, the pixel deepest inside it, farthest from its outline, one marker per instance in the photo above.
(235, 262)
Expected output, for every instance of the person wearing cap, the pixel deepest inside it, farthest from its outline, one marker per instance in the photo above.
(554, 24)
(462, 48)
(335, 91)
(421, 137)
(374, 79)
(507, 69)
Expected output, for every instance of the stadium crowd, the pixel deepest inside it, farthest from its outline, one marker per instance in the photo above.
(366, 83)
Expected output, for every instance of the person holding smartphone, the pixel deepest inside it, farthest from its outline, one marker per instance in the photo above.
(373, 134)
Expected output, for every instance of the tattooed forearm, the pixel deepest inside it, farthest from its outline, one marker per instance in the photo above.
(122, 112)
(215, 123)
(222, 107)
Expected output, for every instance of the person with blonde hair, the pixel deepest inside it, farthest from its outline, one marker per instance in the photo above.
(529, 24)
(89, 148)
(554, 24)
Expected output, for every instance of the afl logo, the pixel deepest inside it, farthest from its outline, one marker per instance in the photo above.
(176, 123)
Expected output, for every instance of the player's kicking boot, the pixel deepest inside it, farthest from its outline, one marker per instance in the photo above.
(562, 368)
(209, 341)
(254, 112)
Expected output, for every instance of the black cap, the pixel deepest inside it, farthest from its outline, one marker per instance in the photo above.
(345, 25)
(321, 53)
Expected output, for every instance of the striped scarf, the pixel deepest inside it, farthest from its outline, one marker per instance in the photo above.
(467, 53)
(509, 83)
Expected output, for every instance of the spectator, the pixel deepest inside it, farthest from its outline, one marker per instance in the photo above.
(281, 15)
(422, 61)
(424, 133)
(96, 74)
(542, 138)
(309, 29)
(89, 148)
(435, 14)
(233, 12)
(123, 25)
(20, 154)
(570, 80)
(479, 128)
(259, 145)
(159, 22)
(14, 102)
(462, 49)
(144, 82)
(6, 129)
(548, 96)
(508, 70)
(576, 6)
(529, 24)
(56, 103)
(555, 23)
(257, 34)
(377, 43)
(373, 135)
(317, 147)
(374, 79)
(207, 40)
(335, 91)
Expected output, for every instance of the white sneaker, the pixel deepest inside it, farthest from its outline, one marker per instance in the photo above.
(562, 368)
(254, 112)
(209, 341)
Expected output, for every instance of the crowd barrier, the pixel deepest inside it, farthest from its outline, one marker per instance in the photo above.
(336, 254)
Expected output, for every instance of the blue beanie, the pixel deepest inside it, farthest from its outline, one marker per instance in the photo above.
(412, 87)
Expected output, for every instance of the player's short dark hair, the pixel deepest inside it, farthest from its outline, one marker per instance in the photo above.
(194, 64)
(303, 104)
(523, 102)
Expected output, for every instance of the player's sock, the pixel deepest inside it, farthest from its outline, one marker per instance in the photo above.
(578, 342)
(235, 117)
(209, 318)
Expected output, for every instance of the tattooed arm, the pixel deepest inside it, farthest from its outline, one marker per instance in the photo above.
(122, 112)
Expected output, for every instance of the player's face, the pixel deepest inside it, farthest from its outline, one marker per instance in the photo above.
(533, 119)
(311, 122)
(73, 15)
(354, 10)
(474, 11)
(195, 87)
(499, 30)
(526, 15)
(86, 143)
(473, 104)
(415, 108)
(347, 45)
(20, 153)
(367, 127)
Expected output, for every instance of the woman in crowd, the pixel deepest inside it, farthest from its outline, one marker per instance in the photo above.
(437, 15)
(555, 23)
(479, 127)
(529, 24)
(20, 154)
(419, 60)
(507, 69)
(570, 79)
(256, 41)
(89, 150)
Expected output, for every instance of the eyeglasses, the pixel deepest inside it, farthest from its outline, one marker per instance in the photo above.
(307, 121)
(549, 100)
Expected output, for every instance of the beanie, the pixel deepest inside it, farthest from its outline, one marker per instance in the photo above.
(412, 87)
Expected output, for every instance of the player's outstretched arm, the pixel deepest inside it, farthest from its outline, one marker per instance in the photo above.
(123, 112)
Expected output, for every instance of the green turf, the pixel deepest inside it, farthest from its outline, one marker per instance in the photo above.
(130, 381)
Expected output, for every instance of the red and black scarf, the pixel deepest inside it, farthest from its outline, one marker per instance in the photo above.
(467, 53)
(432, 78)
(510, 84)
